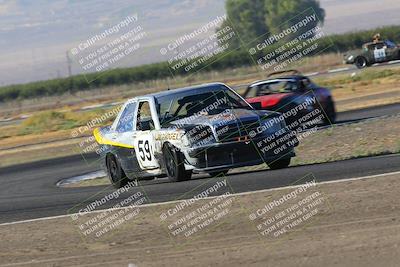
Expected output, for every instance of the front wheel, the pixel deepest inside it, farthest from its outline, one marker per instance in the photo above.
(330, 114)
(174, 164)
(361, 62)
(279, 164)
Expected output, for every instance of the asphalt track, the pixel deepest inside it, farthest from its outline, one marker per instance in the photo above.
(365, 113)
(28, 191)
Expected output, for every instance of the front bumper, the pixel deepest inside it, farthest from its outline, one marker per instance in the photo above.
(224, 156)
(349, 61)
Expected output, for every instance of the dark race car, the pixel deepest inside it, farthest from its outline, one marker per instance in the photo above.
(371, 53)
(288, 91)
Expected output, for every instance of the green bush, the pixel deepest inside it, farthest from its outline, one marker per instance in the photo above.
(45, 122)
(48, 121)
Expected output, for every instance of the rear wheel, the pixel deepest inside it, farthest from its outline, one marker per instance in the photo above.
(115, 173)
(174, 164)
(330, 114)
(292, 119)
(361, 62)
(220, 173)
(279, 164)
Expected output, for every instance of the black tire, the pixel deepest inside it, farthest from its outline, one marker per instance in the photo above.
(330, 114)
(290, 119)
(279, 164)
(220, 173)
(361, 62)
(174, 165)
(115, 173)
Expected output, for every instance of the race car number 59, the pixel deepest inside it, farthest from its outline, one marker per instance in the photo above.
(144, 150)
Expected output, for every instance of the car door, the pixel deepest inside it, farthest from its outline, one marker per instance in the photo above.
(122, 136)
(392, 52)
(146, 126)
(379, 52)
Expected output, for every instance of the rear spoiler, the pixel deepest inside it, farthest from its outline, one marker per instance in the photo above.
(101, 139)
(294, 72)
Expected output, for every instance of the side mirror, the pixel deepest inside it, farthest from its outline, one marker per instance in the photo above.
(256, 105)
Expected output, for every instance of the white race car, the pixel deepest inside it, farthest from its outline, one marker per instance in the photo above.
(201, 129)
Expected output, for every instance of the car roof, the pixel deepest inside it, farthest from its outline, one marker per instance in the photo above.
(372, 43)
(288, 77)
(181, 90)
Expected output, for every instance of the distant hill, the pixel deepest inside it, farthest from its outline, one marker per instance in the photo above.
(352, 15)
(35, 35)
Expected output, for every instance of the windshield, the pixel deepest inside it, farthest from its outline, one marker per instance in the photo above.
(390, 44)
(272, 87)
(207, 101)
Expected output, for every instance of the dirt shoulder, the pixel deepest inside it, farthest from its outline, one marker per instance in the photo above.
(357, 224)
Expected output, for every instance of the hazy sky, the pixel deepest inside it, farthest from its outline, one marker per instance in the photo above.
(35, 34)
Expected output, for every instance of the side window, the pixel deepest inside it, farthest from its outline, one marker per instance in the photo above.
(371, 47)
(125, 123)
(390, 44)
(144, 120)
(263, 90)
(380, 46)
(292, 86)
(252, 91)
(305, 84)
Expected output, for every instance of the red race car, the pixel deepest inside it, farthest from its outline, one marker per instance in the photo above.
(286, 90)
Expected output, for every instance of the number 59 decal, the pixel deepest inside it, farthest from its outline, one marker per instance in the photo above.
(145, 153)
(144, 150)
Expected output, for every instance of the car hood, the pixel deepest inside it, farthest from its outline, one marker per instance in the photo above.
(224, 118)
(353, 53)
